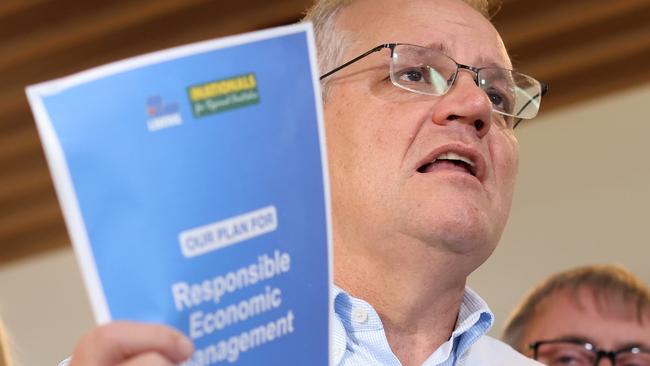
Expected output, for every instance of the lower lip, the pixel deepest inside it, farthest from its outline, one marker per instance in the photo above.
(449, 168)
(446, 166)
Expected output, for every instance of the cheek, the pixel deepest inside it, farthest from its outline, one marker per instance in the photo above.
(362, 137)
(351, 144)
(366, 144)
(505, 155)
(505, 158)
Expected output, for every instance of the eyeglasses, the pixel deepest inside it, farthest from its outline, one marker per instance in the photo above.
(424, 70)
(579, 353)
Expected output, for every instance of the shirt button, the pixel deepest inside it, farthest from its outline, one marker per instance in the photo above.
(359, 315)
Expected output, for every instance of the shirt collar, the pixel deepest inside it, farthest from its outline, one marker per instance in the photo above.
(474, 320)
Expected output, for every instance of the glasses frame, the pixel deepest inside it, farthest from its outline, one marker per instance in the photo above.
(459, 66)
(599, 353)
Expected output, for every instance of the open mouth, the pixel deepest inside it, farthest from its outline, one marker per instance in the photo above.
(449, 160)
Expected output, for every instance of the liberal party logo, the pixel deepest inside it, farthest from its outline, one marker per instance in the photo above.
(162, 115)
(218, 96)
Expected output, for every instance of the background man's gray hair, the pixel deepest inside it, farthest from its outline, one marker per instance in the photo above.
(609, 285)
(332, 43)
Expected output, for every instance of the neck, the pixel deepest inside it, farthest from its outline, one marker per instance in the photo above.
(416, 289)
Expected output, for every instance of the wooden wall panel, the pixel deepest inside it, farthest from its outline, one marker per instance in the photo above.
(581, 48)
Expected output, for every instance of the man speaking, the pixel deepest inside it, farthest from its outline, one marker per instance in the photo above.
(420, 104)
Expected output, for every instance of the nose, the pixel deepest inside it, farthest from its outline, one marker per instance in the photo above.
(465, 103)
(605, 361)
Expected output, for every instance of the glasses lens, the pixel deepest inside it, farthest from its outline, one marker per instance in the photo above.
(511, 93)
(633, 357)
(426, 71)
(421, 70)
(565, 354)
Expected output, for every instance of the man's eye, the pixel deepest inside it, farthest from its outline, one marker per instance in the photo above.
(496, 99)
(413, 75)
(499, 100)
(567, 360)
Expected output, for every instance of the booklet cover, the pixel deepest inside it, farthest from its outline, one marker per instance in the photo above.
(194, 186)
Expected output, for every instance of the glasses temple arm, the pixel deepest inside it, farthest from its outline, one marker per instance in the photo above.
(544, 90)
(378, 48)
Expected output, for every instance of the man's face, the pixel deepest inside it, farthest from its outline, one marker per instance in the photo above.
(381, 138)
(565, 316)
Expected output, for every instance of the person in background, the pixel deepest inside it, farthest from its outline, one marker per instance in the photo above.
(592, 315)
(420, 103)
(5, 353)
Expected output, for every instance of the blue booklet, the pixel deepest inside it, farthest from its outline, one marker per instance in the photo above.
(194, 186)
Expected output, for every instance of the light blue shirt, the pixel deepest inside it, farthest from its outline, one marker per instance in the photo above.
(358, 337)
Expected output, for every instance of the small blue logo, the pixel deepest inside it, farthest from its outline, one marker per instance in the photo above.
(161, 114)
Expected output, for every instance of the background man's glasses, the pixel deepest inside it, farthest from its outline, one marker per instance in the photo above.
(426, 71)
(578, 353)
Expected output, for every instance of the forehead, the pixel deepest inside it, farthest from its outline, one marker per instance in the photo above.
(467, 35)
(580, 314)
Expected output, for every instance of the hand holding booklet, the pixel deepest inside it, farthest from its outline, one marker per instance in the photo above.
(194, 186)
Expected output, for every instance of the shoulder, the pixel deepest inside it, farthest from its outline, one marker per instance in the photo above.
(490, 351)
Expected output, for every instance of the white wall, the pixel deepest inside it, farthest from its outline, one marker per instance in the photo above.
(582, 197)
(44, 306)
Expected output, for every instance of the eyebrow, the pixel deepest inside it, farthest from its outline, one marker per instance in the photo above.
(628, 345)
(576, 338)
(483, 61)
(440, 46)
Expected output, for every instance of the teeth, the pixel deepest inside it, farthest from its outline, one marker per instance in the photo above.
(454, 156)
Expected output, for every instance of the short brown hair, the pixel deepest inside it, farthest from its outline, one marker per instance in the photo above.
(607, 283)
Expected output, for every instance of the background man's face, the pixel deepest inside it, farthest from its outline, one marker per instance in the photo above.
(611, 326)
(380, 135)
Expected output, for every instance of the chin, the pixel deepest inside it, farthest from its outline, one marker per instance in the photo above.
(465, 240)
(467, 231)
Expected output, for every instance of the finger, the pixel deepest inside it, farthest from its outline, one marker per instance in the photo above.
(114, 343)
(148, 359)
